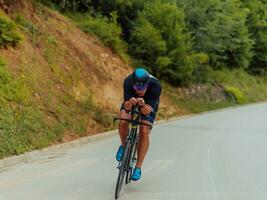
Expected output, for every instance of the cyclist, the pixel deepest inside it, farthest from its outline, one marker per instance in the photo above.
(142, 89)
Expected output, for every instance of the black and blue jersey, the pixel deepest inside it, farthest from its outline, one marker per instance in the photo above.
(152, 95)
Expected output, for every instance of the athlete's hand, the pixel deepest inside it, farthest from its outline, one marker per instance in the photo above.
(141, 102)
(133, 101)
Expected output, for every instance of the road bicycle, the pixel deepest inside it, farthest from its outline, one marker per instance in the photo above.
(128, 161)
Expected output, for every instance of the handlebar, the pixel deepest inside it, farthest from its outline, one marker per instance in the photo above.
(132, 121)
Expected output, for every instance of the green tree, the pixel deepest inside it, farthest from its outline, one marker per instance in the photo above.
(220, 31)
(147, 44)
(257, 24)
(127, 11)
(169, 51)
(74, 5)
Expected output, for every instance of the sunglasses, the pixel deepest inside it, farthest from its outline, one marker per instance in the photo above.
(140, 86)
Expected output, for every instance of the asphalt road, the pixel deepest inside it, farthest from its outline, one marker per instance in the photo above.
(214, 156)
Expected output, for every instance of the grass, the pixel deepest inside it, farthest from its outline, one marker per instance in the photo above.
(252, 88)
(8, 33)
(22, 123)
(196, 104)
(234, 87)
(64, 102)
(235, 94)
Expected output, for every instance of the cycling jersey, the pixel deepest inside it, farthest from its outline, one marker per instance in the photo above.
(152, 95)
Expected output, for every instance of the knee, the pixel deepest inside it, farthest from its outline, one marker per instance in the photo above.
(124, 115)
(144, 132)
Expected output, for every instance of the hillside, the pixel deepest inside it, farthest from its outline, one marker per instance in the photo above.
(68, 78)
(59, 82)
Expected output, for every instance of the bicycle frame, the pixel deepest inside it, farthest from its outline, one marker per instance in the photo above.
(126, 165)
(132, 137)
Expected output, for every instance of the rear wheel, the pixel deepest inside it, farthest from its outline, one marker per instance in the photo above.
(122, 170)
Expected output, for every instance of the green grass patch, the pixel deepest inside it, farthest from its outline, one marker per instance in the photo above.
(28, 27)
(204, 100)
(12, 90)
(22, 125)
(96, 113)
(233, 87)
(252, 88)
(235, 94)
(25, 24)
(8, 34)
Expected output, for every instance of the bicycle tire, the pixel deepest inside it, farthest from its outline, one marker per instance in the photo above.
(130, 170)
(132, 157)
(122, 171)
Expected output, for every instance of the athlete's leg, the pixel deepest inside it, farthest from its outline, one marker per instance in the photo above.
(143, 143)
(124, 126)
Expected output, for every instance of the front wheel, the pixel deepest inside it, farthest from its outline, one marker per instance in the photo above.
(129, 176)
(131, 161)
(122, 170)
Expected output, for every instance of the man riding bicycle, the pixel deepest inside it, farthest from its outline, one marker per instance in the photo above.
(142, 89)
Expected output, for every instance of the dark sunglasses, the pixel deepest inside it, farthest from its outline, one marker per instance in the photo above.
(140, 86)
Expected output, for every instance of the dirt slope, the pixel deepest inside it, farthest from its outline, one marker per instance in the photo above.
(67, 69)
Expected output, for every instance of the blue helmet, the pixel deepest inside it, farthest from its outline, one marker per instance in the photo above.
(141, 79)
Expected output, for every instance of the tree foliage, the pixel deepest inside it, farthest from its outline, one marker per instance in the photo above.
(161, 40)
(182, 40)
(220, 31)
(257, 24)
(74, 5)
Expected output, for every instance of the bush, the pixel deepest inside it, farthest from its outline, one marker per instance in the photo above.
(106, 29)
(202, 72)
(235, 93)
(8, 34)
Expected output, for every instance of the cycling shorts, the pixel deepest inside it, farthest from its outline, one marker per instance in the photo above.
(150, 117)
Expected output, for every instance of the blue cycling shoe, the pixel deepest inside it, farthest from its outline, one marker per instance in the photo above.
(136, 174)
(119, 153)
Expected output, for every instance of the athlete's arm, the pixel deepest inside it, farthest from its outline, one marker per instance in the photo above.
(128, 105)
(145, 108)
(129, 100)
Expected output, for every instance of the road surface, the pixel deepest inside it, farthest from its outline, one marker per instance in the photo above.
(213, 156)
